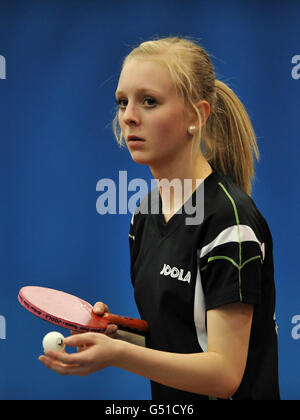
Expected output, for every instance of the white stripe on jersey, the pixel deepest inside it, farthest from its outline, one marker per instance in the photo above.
(236, 233)
(200, 311)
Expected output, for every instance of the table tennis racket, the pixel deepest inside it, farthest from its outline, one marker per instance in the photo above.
(70, 312)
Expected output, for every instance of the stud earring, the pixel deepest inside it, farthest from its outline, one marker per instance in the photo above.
(192, 129)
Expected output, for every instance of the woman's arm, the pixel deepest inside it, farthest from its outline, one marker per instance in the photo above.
(217, 372)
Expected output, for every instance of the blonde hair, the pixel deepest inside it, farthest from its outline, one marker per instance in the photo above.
(228, 139)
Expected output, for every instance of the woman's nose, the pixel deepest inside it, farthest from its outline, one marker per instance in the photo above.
(131, 116)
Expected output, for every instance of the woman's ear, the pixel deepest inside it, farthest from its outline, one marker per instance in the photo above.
(204, 109)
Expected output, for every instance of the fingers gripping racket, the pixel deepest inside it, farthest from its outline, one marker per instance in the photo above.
(70, 312)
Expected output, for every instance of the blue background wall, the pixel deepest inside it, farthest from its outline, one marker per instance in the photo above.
(57, 103)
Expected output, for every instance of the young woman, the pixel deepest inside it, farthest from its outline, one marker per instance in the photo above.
(206, 288)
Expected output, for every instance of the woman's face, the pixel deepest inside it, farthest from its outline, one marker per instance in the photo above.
(151, 109)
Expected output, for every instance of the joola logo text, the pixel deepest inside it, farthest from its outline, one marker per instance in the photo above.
(176, 273)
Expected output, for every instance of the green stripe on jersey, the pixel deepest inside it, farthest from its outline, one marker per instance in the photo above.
(239, 265)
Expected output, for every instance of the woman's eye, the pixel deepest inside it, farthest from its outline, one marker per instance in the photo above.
(122, 103)
(150, 102)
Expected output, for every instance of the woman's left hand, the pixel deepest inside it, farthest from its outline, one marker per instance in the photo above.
(99, 352)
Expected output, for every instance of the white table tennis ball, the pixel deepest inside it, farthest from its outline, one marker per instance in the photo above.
(53, 341)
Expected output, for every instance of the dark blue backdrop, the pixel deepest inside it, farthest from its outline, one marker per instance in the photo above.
(57, 102)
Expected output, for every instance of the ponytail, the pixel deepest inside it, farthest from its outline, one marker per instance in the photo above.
(229, 139)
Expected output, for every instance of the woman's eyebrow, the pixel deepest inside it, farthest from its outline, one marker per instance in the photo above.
(139, 91)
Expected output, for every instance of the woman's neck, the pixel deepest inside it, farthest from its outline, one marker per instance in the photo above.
(178, 182)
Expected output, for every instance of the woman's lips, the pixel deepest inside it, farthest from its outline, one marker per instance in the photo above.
(134, 144)
(134, 139)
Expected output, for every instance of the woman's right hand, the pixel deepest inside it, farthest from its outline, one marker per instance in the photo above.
(100, 309)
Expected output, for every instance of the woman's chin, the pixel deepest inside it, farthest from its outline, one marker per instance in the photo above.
(139, 158)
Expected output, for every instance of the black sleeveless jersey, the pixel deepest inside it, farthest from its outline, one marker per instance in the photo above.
(190, 265)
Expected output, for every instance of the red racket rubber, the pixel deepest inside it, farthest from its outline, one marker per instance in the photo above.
(70, 312)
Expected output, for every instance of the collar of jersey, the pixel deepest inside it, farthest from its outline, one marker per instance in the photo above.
(178, 219)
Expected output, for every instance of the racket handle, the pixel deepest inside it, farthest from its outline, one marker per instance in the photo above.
(137, 326)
